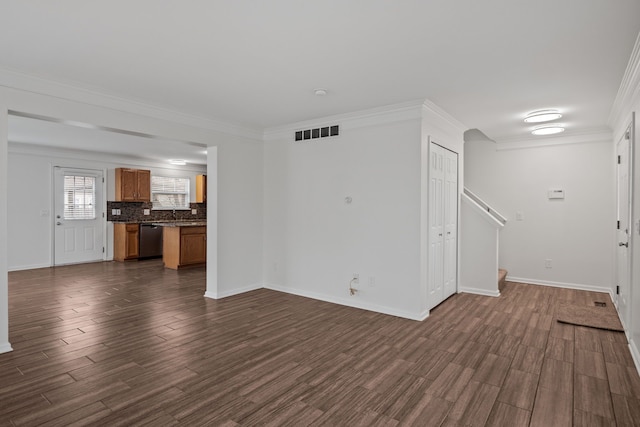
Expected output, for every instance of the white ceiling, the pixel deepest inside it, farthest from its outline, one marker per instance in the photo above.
(256, 63)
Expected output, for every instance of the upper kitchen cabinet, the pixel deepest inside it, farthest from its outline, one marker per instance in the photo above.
(201, 188)
(133, 185)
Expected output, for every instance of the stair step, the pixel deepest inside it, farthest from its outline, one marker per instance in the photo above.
(502, 278)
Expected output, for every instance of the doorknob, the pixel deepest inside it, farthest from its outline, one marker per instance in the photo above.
(58, 216)
(624, 244)
(58, 223)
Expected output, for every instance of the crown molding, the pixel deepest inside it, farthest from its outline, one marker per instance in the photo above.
(629, 91)
(39, 85)
(601, 134)
(411, 110)
(442, 118)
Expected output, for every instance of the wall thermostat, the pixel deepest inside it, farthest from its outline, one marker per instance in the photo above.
(555, 194)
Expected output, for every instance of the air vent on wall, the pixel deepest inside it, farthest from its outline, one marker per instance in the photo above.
(323, 132)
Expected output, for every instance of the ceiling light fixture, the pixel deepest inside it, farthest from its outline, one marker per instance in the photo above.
(542, 116)
(320, 92)
(547, 130)
(178, 162)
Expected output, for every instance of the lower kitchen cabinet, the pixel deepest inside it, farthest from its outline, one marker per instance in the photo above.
(184, 246)
(126, 238)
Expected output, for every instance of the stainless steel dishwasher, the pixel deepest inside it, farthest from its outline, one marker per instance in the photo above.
(150, 241)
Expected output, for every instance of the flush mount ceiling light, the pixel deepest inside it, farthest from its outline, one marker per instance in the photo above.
(320, 92)
(178, 162)
(542, 116)
(547, 130)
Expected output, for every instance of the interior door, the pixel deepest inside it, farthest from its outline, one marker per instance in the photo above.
(79, 217)
(436, 225)
(623, 225)
(450, 223)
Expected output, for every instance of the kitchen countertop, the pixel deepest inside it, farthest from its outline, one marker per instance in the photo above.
(180, 223)
(195, 223)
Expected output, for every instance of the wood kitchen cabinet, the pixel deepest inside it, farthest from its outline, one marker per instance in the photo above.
(184, 246)
(133, 185)
(126, 241)
(201, 188)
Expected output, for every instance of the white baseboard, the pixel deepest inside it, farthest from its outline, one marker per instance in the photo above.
(232, 292)
(635, 354)
(477, 291)
(577, 286)
(5, 348)
(349, 302)
(28, 267)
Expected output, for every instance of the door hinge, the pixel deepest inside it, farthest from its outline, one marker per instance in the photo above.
(618, 226)
(103, 179)
(103, 249)
(103, 217)
(627, 135)
(618, 290)
(619, 160)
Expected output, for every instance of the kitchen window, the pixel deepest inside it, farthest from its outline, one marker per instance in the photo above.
(79, 197)
(169, 192)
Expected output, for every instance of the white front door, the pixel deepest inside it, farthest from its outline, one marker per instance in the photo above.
(78, 216)
(623, 226)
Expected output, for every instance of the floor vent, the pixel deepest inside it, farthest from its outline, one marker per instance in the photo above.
(323, 132)
(600, 304)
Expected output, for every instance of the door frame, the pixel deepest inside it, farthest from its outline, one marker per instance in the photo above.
(103, 220)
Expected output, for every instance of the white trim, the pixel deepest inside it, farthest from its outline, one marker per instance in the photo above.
(349, 302)
(477, 291)
(635, 354)
(232, 292)
(29, 267)
(411, 110)
(577, 286)
(629, 90)
(98, 97)
(5, 348)
(436, 116)
(602, 134)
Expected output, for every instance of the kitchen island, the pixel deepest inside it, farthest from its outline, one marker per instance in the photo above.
(184, 244)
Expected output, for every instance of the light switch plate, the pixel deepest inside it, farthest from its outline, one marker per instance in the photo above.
(194, 211)
(147, 211)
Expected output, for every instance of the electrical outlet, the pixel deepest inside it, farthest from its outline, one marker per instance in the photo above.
(194, 211)
(115, 211)
(147, 212)
(547, 263)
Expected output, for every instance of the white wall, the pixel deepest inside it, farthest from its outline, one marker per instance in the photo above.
(4, 288)
(30, 193)
(575, 233)
(315, 241)
(239, 181)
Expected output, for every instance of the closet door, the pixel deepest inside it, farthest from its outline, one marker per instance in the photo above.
(450, 206)
(436, 225)
(443, 224)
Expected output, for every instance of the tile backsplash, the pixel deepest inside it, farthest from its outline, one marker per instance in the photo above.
(134, 212)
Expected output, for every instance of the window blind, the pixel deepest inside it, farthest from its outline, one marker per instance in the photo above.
(79, 197)
(169, 192)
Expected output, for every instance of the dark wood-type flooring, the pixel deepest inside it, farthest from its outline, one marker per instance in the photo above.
(135, 344)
